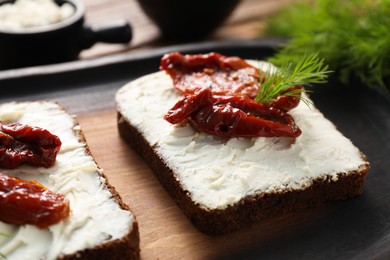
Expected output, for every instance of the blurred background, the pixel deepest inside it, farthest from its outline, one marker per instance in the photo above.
(352, 36)
(245, 22)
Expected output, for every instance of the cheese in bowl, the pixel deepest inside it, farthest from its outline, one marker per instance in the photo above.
(23, 14)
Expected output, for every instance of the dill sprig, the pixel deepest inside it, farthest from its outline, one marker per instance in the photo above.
(308, 70)
(352, 36)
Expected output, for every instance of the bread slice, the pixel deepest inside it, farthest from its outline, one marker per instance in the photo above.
(222, 185)
(100, 226)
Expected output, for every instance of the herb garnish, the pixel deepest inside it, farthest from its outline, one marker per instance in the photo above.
(352, 36)
(309, 69)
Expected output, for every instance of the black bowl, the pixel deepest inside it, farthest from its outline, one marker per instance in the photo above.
(187, 20)
(58, 42)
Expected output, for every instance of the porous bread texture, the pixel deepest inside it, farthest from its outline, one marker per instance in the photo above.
(124, 247)
(222, 185)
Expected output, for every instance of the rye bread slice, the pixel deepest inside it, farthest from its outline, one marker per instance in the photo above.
(81, 236)
(185, 162)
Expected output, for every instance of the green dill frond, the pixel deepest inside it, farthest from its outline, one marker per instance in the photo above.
(304, 71)
(352, 36)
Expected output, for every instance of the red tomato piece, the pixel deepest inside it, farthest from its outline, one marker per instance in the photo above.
(218, 97)
(21, 144)
(28, 202)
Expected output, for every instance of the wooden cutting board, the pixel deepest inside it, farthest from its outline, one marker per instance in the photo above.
(355, 228)
(165, 231)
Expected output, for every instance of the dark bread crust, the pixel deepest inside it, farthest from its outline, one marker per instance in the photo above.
(124, 248)
(250, 209)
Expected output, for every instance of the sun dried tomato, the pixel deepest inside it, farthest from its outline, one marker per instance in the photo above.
(28, 202)
(224, 75)
(188, 105)
(232, 116)
(286, 102)
(218, 97)
(21, 144)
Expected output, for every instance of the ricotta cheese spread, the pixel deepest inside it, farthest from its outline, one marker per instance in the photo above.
(95, 216)
(33, 13)
(217, 172)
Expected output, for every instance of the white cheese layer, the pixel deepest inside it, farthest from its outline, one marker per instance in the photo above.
(218, 173)
(95, 216)
(33, 13)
